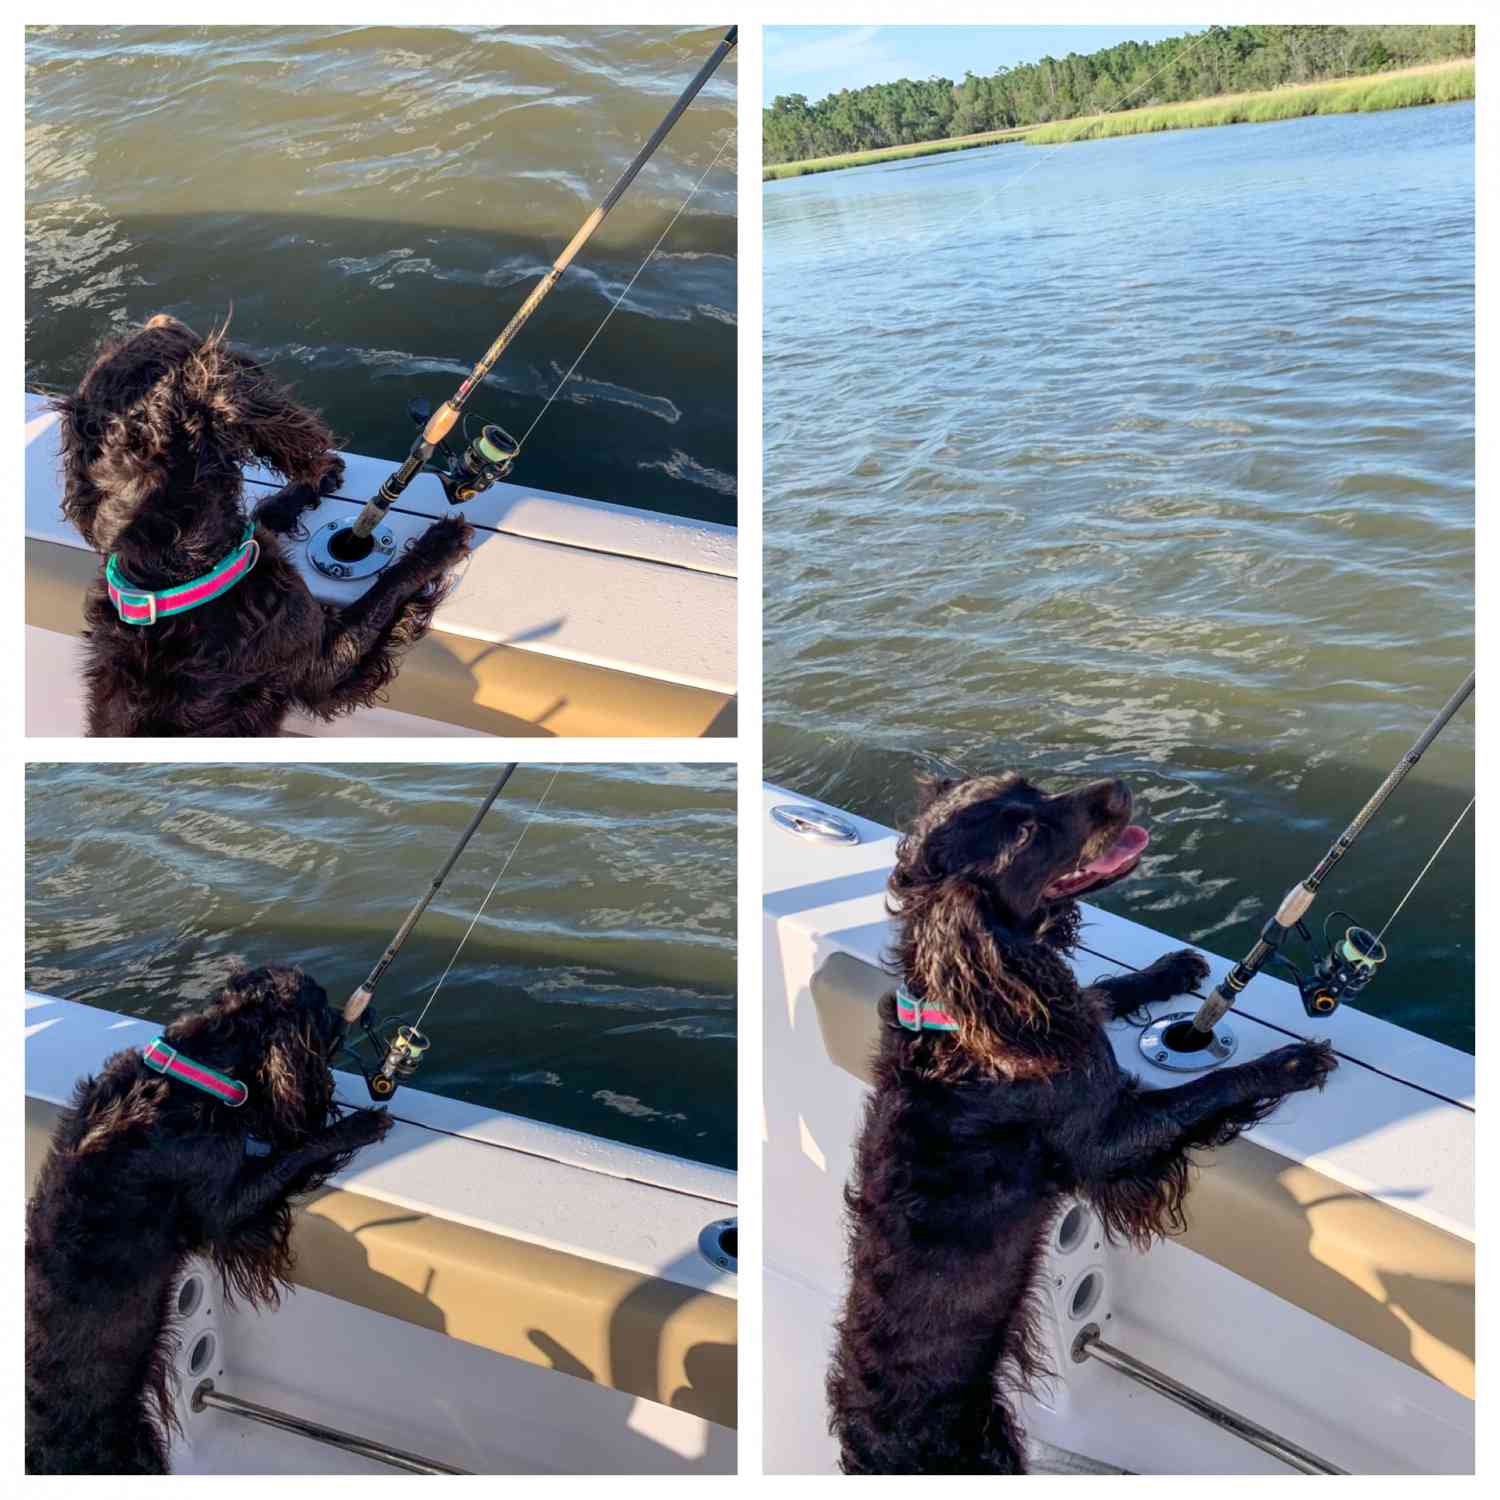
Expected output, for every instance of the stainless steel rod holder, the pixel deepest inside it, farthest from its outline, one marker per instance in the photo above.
(381, 1453)
(1088, 1345)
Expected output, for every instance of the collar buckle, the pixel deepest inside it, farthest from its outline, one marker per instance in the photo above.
(136, 599)
(908, 1010)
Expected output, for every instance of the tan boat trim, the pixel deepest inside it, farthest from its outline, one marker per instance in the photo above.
(1392, 1281)
(638, 1334)
(457, 679)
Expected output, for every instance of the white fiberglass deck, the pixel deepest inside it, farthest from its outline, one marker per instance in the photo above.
(1396, 1123)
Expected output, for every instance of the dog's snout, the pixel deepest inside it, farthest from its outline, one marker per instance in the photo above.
(1110, 799)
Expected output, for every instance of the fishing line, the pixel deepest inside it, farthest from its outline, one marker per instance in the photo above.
(623, 295)
(417, 1025)
(1425, 868)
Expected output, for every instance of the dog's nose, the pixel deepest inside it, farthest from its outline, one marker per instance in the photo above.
(1110, 798)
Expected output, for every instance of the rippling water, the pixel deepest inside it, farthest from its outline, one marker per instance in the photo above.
(597, 992)
(1154, 456)
(374, 202)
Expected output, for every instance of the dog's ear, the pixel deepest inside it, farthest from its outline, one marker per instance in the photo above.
(292, 1076)
(961, 959)
(112, 464)
(254, 416)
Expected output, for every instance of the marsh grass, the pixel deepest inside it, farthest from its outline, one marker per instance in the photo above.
(888, 153)
(1442, 83)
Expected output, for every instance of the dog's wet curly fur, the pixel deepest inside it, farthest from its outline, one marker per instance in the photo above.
(153, 443)
(145, 1171)
(973, 1140)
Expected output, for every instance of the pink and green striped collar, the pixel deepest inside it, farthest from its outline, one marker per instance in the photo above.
(162, 1058)
(915, 1015)
(145, 607)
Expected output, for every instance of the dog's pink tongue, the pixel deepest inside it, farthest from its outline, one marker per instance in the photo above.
(1119, 856)
(1128, 847)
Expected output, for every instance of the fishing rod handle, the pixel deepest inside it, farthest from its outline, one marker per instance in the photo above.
(1294, 904)
(1221, 999)
(390, 492)
(440, 424)
(357, 1004)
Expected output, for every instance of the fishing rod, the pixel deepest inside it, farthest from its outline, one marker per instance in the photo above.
(490, 456)
(404, 1050)
(1351, 962)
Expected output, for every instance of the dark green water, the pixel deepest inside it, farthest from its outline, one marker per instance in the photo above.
(374, 203)
(1151, 456)
(597, 992)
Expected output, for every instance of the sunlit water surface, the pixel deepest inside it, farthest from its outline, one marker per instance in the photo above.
(374, 202)
(597, 991)
(1151, 456)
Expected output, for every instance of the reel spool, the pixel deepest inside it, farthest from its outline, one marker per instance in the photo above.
(402, 1057)
(485, 460)
(1346, 969)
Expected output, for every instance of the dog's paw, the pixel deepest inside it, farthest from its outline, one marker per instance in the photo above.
(1179, 972)
(445, 542)
(363, 1127)
(333, 476)
(1300, 1066)
(282, 512)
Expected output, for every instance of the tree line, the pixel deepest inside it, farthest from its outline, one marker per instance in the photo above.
(1132, 75)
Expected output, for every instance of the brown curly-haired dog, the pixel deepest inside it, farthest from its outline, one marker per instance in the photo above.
(975, 1136)
(145, 1171)
(153, 442)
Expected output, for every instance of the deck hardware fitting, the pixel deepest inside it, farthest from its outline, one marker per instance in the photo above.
(1088, 1345)
(814, 823)
(205, 1397)
(719, 1244)
(320, 553)
(1161, 1044)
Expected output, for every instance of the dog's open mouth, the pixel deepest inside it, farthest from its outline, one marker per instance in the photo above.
(1119, 859)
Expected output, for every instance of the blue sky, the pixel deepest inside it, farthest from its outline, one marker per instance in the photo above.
(821, 60)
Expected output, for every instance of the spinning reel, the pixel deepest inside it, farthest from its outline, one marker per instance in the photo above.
(400, 1054)
(1345, 969)
(485, 460)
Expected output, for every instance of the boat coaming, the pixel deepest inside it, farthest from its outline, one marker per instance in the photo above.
(571, 617)
(1324, 1288)
(497, 1294)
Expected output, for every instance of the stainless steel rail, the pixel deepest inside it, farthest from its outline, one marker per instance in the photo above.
(1088, 1345)
(381, 1453)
